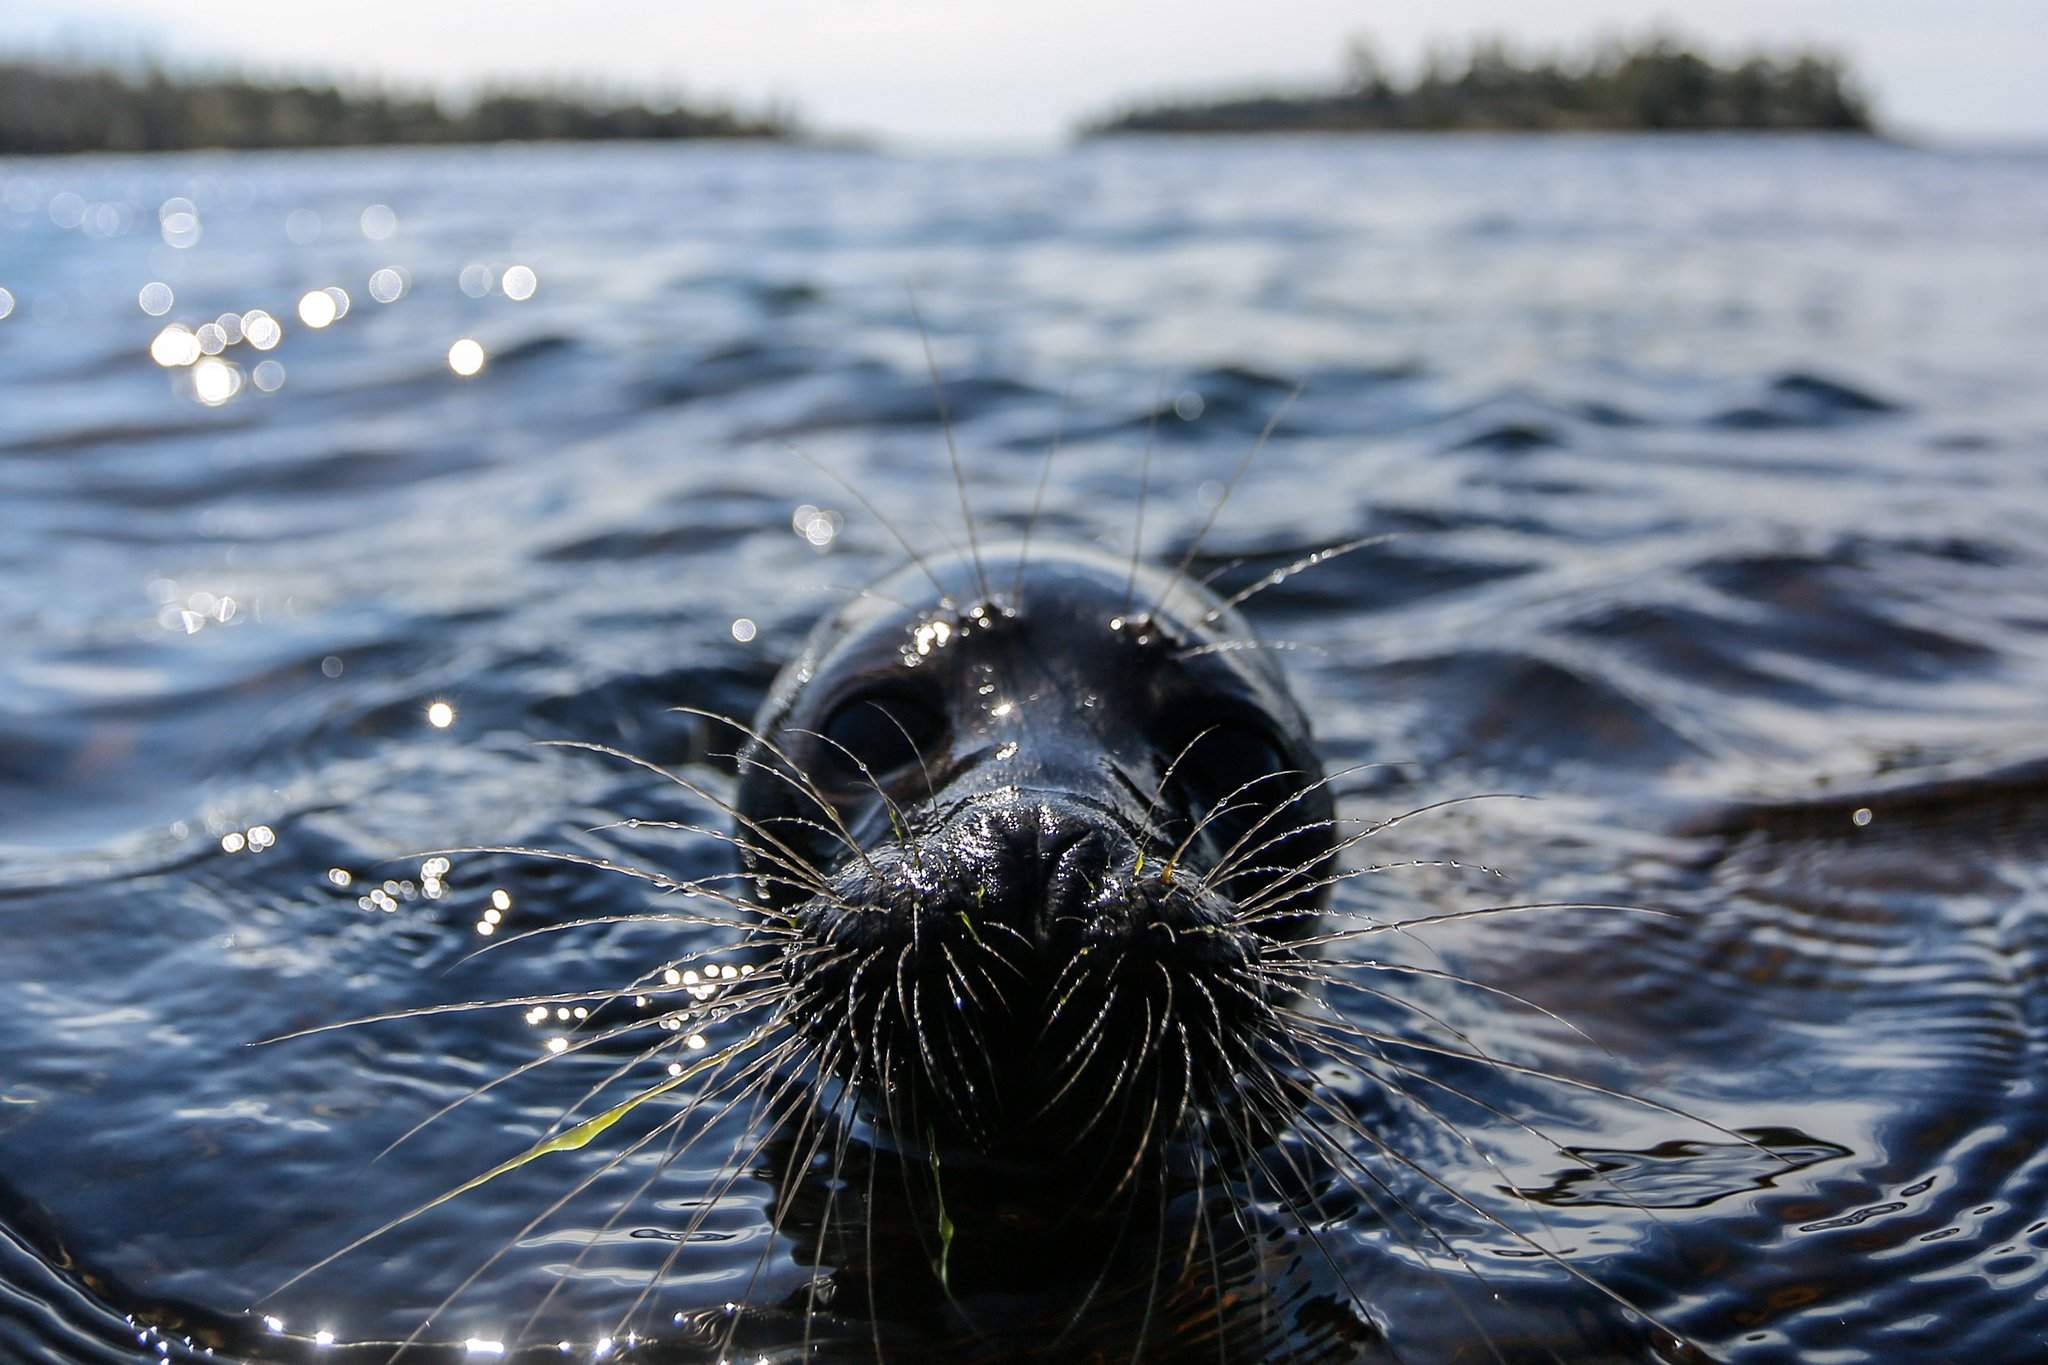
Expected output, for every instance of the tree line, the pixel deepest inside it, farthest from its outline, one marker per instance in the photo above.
(1657, 83)
(55, 108)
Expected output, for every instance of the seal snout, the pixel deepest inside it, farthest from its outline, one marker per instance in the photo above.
(1048, 873)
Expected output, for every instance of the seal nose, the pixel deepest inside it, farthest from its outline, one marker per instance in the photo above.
(1045, 858)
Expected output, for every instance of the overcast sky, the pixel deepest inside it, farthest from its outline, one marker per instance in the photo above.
(1011, 71)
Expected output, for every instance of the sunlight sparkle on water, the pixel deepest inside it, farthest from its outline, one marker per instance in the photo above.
(819, 526)
(215, 381)
(179, 220)
(378, 222)
(174, 345)
(6, 303)
(743, 630)
(519, 283)
(317, 308)
(269, 377)
(466, 357)
(387, 285)
(261, 329)
(440, 715)
(155, 298)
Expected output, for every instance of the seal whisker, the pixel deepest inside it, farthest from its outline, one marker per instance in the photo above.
(825, 1059)
(1220, 808)
(1353, 840)
(896, 820)
(1420, 1011)
(1338, 1049)
(868, 1238)
(1478, 912)
(916, 750)
(830, 811)
(804, 877)
(1373, 915)
(580, 1045)
(931, 366)
(1393, 1086)
(1236, 852)
(801, 874)
(1281, 575)
(1159, 791)
(695, 789)
(1144, 495)
(1239, 646)
(747, 1079)
(1374, 869)
(1326, 970)
(1538, 1073)
(1562, 1262)
(1059, 428)
(412, 1339)
(1216, 508)
(652, 878)
(841, 1118)
(456, 1007)
(789, 1184)
(794, 821)
(1080, 1310)
(1059, 998)
(404, 1218)
(1343, 1163)
(1251, 1150)
(923, 565)
(1152, 1286)
(756, 931)
(727, 1011)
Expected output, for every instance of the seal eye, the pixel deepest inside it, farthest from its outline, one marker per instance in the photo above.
(887, 731)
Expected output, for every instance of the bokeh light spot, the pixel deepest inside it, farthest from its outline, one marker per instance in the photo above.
(466, 357)
(387, 285)
(316, 308)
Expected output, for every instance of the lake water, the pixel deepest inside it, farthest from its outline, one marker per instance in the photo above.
(1721, 473)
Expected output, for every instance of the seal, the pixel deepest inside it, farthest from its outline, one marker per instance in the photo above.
(1035, 845)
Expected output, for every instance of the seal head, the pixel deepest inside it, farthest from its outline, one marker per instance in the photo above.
(1036, 846)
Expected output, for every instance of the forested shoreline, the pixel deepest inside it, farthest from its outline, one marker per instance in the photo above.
(48, 108)
(1658, 83)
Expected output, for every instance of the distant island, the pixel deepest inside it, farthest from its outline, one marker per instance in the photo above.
(50, 108)
(1657, 84)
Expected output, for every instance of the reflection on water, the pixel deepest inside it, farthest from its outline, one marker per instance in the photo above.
(328, 484)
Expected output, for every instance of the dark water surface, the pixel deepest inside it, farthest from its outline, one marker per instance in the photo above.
(1722, 473)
